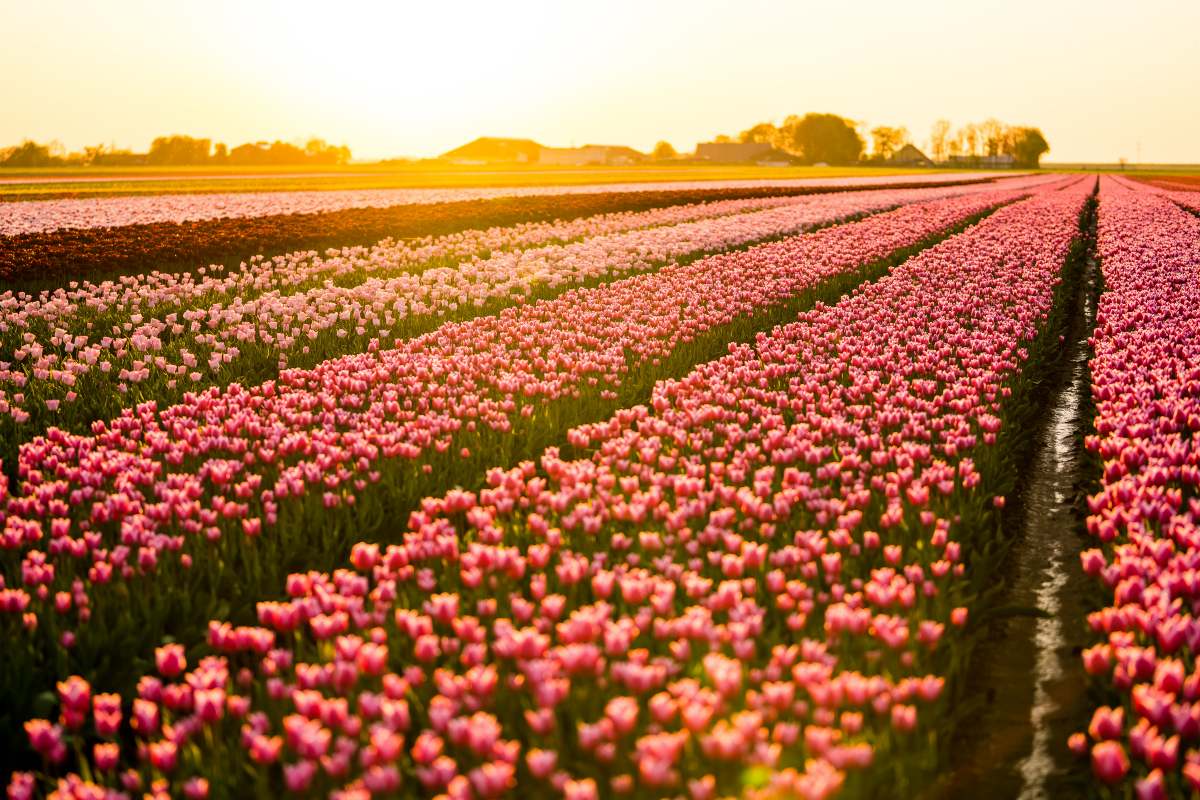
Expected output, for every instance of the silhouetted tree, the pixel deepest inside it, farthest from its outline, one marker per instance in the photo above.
(938, 140)
(763, 132)
(30, 154)
(664, 150)
(315, 151)
(1027, 147)
(886, 140)
(824, 138)
(178, 150)
(993, 135)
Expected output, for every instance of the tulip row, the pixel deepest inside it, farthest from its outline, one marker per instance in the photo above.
(1146, 511)
(164, 518)
(743, 587)
(37, 216)
(1183, 194)
(71, 356)
(46, 261)
(81, 355)
(147, 293)
(1189, 199)
(37, 262)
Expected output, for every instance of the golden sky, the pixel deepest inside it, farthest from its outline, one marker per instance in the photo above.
(1100, 77)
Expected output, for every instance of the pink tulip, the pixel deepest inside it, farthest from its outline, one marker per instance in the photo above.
(170, 660)
(1109, 761)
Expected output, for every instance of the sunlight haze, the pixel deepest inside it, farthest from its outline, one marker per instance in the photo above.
(1103, 80)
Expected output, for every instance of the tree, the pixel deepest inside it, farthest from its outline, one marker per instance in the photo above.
(318, 151)
(722, 139)
(938, 140)
(30, 154)
(94, 154)
(822, 138)
(763, 133)
(663, 151)
(315, 151)
(970, 138)
(885, 141)
(178, 150)
(1028, 145)
(993, 135)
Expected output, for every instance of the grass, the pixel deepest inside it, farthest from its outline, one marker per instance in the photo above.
(119, 181)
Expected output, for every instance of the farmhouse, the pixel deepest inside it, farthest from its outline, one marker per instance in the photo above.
(759, 153)
(733, 152)
(910, 156)
(1002, 161)
(609, 155)
(494, 150)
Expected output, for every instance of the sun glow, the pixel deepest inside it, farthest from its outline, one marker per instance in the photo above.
(417, 78)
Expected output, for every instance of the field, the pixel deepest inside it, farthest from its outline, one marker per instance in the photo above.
(49, 182)
(674, 483)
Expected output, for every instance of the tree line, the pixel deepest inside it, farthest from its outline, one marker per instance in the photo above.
(178, 151)
(831, 139)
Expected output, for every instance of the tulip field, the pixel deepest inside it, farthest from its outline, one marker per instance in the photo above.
(663, 490)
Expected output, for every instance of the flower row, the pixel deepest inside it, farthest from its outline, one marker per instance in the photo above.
(203, 340)
(38, 216)
(145, 294)
(45, 262)
(1145, 514)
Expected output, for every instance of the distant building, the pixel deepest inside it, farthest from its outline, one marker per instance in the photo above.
(1002, 161)
(734, 152)
(760, 153)
(910, 156)
(608, 155)
(493, 150)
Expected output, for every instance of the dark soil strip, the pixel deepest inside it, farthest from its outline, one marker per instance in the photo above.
(35, 262)
(1027, 687)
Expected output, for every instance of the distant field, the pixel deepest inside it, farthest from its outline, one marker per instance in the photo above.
(1133, 170)
(38, 184)
(1180, 181)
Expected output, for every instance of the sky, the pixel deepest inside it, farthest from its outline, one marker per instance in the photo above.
(1103, 79)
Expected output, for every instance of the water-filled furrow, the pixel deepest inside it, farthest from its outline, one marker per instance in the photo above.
(1027, 694)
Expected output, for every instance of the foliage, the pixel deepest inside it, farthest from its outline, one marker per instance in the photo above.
(989, 139)
(179, 150)
(822, 138)
(664, 150)
(885, 141)
(763, 132)
(316, 151)
(30, 154)
(1027, 146)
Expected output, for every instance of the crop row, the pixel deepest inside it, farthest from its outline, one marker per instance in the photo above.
(146, 293)
(742, 587)
(1174, 191)
(41, 216)
(48, 259)
(82, 355)
(1146, 512)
